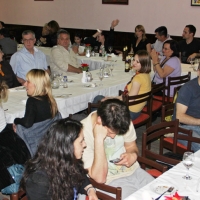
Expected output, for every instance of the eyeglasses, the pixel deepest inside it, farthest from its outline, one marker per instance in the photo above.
(28, 40)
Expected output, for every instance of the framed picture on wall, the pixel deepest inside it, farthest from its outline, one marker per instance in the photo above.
(195, 2)
(122, 2)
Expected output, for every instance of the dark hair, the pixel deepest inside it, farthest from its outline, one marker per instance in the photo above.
(54, 26)
(62, 31)
(1, 48)
(162, 30)
(115, 115)
(173, 46)
(55, 156)
(26, 32)
(2, 23)
(4, 32)
(192, 29)
(145, 61)
(78, 34)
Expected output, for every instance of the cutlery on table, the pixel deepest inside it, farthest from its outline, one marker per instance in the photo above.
(169, 190)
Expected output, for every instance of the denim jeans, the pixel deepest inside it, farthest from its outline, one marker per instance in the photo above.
(195, 133)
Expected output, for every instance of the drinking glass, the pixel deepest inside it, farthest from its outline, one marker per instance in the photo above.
(112, 65)
(110, 48)
(101, 76)
(96, 49)
(192, 60)
(188, 160)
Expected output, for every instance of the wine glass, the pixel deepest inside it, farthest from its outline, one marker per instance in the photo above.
(96, 49)
(110, 48)
(192, 60)
(112, 65)
(101, 76)
(188, 160)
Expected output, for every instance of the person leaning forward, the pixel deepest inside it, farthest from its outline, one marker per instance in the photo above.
(109, 134)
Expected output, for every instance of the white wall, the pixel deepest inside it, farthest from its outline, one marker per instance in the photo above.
(92, 14)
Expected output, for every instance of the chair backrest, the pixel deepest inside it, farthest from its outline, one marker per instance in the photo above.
(7, 56)
(167, 112)
(156, 133)
(178, 80)
(92, 105)
(137, 99)
(106, 188)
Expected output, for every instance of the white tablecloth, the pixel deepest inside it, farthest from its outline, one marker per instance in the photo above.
(173, 177)
(80, 95)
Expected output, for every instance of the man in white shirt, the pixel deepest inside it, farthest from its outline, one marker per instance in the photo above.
(162, 36)
(109, 135)
(63, 58)
(29, 57)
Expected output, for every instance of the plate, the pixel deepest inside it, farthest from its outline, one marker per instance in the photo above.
(90, 85)
(159, 188)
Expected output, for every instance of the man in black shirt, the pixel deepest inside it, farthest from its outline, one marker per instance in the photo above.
(189, 47)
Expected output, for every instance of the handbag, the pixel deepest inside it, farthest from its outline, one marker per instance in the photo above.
(16, 171)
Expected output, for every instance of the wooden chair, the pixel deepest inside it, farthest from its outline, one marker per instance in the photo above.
(153, 168)
(92, 105)
(114, 190)
(178, 80)
(145, 116)
(157, 103)
(21, 195)
(7, 57)
(167, 112)
(157, 133)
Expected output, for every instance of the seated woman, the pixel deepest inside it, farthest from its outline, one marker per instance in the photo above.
(42, 36)
(56, 171)
(6, 72)
(41, 109)
(140, 42)
(169, 65)
(139, 84)
(100, 39)
(13, 150)
(78, 42)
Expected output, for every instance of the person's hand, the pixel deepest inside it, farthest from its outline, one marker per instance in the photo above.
(92, 194)
(191, 56)
(114, 23)
(97, 34)
(75, 49)
(154, 56)
(14, 128)
(99, 132)
(127, 159)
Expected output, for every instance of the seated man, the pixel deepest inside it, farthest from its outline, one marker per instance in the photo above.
(109, 134)
(63, 58)
(28, 57)
(189, 47)
(9, 46)
(188, 108)
(162, 36)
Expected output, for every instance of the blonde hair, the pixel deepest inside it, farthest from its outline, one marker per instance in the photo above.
(41, 80)
(3, 92)
(141, 28)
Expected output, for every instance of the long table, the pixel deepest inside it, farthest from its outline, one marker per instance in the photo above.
(77, 96)
(173, 177)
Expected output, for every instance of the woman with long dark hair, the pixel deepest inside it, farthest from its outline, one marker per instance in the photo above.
(56, 172)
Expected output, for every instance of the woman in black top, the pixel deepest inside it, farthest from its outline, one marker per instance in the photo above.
(40, 105)
(140, 42)
(42, 36)
(56, 171)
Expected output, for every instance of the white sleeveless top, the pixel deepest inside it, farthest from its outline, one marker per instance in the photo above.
(2, 119)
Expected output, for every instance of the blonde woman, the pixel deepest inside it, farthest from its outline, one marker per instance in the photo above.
(140, 42)
(41, 109)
